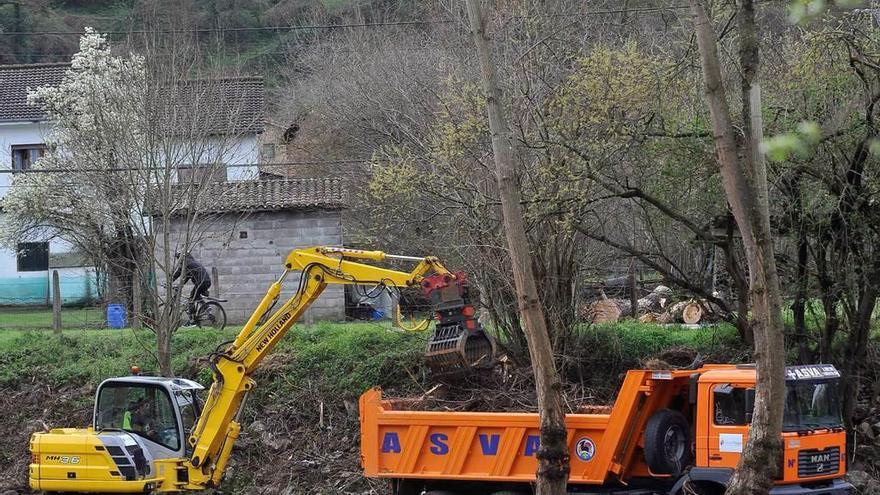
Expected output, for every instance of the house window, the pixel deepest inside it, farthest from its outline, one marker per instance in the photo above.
(33, 256)
(187, 174)
(267, 153)
(25, 155)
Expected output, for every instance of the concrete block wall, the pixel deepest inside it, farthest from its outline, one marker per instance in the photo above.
(249, 250)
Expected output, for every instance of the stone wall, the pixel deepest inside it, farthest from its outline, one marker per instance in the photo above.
(248, 253)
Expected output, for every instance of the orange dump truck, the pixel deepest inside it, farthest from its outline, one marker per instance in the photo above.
(669, 432)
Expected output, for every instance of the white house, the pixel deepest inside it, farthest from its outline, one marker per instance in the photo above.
(25, 272)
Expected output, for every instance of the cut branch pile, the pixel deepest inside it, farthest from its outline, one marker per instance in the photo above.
(509, 390)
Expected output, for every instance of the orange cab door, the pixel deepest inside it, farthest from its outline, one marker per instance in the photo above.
(730, 415)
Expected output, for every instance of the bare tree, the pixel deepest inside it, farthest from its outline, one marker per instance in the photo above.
(553, 461)
(745, 186)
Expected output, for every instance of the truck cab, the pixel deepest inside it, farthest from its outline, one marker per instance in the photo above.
(814, 437)
(138, 421)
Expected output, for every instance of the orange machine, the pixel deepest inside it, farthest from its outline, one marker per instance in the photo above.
(669, 432)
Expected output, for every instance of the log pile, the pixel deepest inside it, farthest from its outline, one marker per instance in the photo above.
(655, 307)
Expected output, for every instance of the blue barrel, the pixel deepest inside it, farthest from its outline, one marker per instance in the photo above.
(116, 317)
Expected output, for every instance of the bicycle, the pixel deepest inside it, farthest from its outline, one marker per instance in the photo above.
(206, 311)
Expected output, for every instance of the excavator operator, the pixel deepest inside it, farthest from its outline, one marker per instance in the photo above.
(136, 418)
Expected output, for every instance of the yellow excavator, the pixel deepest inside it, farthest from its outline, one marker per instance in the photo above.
(154, 434)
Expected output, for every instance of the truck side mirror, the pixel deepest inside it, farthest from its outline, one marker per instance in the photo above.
(725, 389)
(692, 388)
(750, 404)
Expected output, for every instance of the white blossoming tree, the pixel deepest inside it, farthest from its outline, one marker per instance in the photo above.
(120, 129)
(90, 116)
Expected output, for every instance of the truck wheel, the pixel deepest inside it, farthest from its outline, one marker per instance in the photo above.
(697, 488)
(407, 487)
(668, 442)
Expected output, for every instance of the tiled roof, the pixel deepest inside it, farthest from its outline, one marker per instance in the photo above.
(14, 83)
(235, 105)
(217, 106)
(267, 195)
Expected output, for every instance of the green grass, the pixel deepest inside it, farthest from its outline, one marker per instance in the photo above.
(628, 344)
(345, 355)
(648, 338)
(39, 317)
(329, 359)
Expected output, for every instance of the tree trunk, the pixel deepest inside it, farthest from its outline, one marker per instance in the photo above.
(830, 300)
(633, 289)
(738, 279)
(791, 186)
(553, 461)
(163, 348)
(799, 306)
(857, 347)
(745, 185)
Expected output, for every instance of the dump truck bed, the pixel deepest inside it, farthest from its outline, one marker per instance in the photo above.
(494, 446)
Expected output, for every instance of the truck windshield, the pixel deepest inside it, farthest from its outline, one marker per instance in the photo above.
(812, 405)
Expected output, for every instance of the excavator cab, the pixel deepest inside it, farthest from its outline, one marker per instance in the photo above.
(156, 412)
(139, 423)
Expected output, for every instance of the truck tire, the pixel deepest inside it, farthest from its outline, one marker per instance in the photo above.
(407, 487)
(704, 488)
(668, 442)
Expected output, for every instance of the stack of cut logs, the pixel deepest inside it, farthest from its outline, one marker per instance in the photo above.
(653, 308)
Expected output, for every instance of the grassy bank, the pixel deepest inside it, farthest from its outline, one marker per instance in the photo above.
(344, 353)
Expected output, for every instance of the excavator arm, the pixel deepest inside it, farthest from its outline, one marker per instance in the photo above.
(457, 343)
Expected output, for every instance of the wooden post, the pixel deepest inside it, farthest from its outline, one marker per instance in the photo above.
(215, 281)
(633, 289)
(553, 457)
(56, 302)
(137, 300)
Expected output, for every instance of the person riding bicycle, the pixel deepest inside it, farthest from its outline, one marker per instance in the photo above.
(194, 272)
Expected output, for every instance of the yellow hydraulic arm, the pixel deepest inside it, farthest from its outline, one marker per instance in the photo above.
(218, 426)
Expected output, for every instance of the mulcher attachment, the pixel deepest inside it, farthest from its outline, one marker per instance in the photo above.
(458, 343)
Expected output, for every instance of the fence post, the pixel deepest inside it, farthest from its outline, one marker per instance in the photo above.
(137, 300)
(633, 289)
(56, 302)
(215, 278)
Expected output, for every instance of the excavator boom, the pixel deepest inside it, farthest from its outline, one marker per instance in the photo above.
(458, 343)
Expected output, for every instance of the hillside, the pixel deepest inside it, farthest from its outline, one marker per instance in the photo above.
(41, 31)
